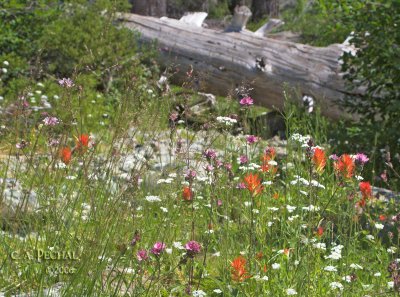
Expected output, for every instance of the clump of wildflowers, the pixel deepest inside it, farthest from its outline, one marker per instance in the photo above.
(51, 121)
(142, 255)
(251, 139)
(158, 248)
(66, 82)
(361, 159)
(66, 155)
(253, 183)
(246, 101)
(187, 194)
(239, 272)
(344, 166)
(192, 248)
(319, 159)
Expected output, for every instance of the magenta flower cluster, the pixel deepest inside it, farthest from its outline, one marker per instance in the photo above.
(251, 139)
(158, 248)
(192, 248)
(142, 255)
(361, 159)
(66, 82)
(246, 101)
(190, 175)
(51, 121)
(210, 154)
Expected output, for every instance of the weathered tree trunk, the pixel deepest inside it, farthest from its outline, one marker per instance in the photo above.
(227, 60)
(156, 8)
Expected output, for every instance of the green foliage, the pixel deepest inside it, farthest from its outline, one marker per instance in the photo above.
(375, 68)
(321, 22)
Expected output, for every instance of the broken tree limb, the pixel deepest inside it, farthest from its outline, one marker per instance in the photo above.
(227, 60)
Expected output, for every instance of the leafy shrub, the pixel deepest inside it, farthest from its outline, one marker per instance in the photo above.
(375, 67)
(321, 22)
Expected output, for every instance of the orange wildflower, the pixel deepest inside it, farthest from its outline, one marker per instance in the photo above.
(253, 183)
(320, 231)
(382, 218)
(319, 159)
(66, 155)
(365, 189)
(187, 194)
(239, 272)
(361, 203)
(82, 142)
(345, 165)
(268, 156)
(276, 196)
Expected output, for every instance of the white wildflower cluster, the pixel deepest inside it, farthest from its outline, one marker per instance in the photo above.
(304, 182)
(153, 198)
(299, 179)
(291, 292)
(267, 183)
(370, 237)
(347, 278)
(276, 266)
(316, 184)
(227, 121)
(391, 250)
(303, 140)
(165, 181)
(336, 285)
(250, 167)
(320, 246)
(330, 268)
(311, 208)
(4, 69)
(198, 293)
(290, 208)
(356, 266)
(379, 226)
(336, 253)
(257, 277)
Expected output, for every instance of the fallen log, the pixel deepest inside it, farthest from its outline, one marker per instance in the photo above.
(226, 60)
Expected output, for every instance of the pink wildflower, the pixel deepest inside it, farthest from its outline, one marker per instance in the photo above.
(251, 139)
(142, 255)
(158, 248)
(192, 248)
(66, 82)
(210, 154)
(243, 159)
(361, 158)
(247, 101)
(50, 121)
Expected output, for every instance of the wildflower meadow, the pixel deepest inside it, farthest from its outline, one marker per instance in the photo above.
(115, 191)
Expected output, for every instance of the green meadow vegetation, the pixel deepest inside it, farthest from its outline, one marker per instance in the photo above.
(108, 190)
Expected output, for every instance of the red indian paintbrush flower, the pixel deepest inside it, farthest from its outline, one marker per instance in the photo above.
(239, 272)
(345, 166)
(187, 194)
(365, 189)
(253, 183)
(82, 142)
(66, 155)
(319, 159)
(268, 156)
